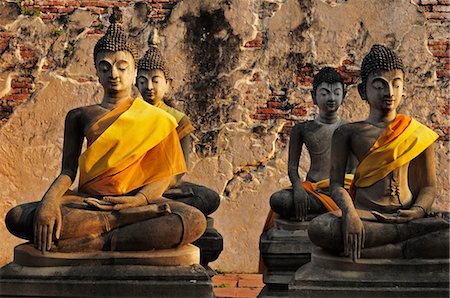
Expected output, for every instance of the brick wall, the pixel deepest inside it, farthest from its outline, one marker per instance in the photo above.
(21, 86)
(437, 13)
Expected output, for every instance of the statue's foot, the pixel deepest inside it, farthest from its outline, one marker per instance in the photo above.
(164, 209)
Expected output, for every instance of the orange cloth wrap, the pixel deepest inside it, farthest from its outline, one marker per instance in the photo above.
(184, 124)
(130, 152)
(402, 141)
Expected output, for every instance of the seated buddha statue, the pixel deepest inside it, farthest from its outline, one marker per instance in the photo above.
(133, 156)
(153, 81)
(386, 211)
(311, 196)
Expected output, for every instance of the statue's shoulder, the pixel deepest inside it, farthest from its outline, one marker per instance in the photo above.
(85, 113)
(350, 128)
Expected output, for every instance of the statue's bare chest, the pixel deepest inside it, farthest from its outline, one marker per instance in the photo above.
(317, 137)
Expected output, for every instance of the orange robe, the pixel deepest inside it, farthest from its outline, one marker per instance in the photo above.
(402, 141)
(133, 145)
(184, 124)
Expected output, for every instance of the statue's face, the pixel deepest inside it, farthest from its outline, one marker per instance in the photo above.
(115, 70)
(152, 85)
(384, 89)
(329, 96)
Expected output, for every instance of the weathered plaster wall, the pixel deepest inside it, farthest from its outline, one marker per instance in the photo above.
(242, 71)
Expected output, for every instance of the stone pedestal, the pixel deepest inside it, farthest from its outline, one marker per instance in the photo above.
(159, 273)
(284, 248)
(331, 276)
(210, 244)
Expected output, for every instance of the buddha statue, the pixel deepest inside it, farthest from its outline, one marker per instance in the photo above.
(311, 196)
(133, 156)
(386, 213)
(154, 81)
(284, 235)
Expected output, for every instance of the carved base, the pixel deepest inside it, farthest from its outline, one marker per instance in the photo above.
(108, 274)
(210, 244)
(284, 249)
(331, 276)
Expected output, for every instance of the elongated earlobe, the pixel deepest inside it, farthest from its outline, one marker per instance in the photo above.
(362, 91)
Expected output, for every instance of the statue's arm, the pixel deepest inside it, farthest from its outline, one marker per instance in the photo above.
(352, 227)
(295, 151)
(185, 146)
(48, 220)
(425, 175)
(300, 197)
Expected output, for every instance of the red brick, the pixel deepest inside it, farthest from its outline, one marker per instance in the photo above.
(443, 74)
(228, 281)
(98, 3)
(441, 7)
(251, 283)
(425, 8)
(438, 42)
(260, 117)
(7, 34)
(270, 111)
(236, 292)
(441, 53)
(72, 3)
(437, 15)
(425, 2)
(65, 9)
(274, 104)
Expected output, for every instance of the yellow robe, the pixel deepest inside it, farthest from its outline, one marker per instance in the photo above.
(184, 124)
(134, 145)
(402, 141)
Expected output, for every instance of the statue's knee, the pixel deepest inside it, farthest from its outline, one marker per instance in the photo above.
(16, 222)
(276, 200)
(193, 221)
(213, 200)
(322, 231)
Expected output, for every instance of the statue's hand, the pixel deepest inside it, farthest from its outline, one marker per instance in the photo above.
(48, 219)
(123, 202)
(301, 203)
(401, 216)
(354, 234)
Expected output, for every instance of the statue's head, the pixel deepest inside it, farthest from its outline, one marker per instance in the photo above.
(153, 78)
(328, 89)
(115, 57)
(382, 76)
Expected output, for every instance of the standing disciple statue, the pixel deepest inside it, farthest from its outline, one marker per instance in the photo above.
(133, 156)
(386, 212)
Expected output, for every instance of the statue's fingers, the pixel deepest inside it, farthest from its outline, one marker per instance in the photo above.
(44, 238)
(58, 226)
(363, 238)
(39, 237)
(36, 231)
(121, 206)
(347, 244)
(116, 200)
(356, 240)
(355, 247)
(50, 235)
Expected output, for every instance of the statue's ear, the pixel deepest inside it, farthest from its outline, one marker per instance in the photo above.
(313, 95)
(362, 91)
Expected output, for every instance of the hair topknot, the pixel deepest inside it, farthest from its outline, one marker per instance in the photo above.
(380, 58)
(115, 38)
(327, 75)
(153, 58)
